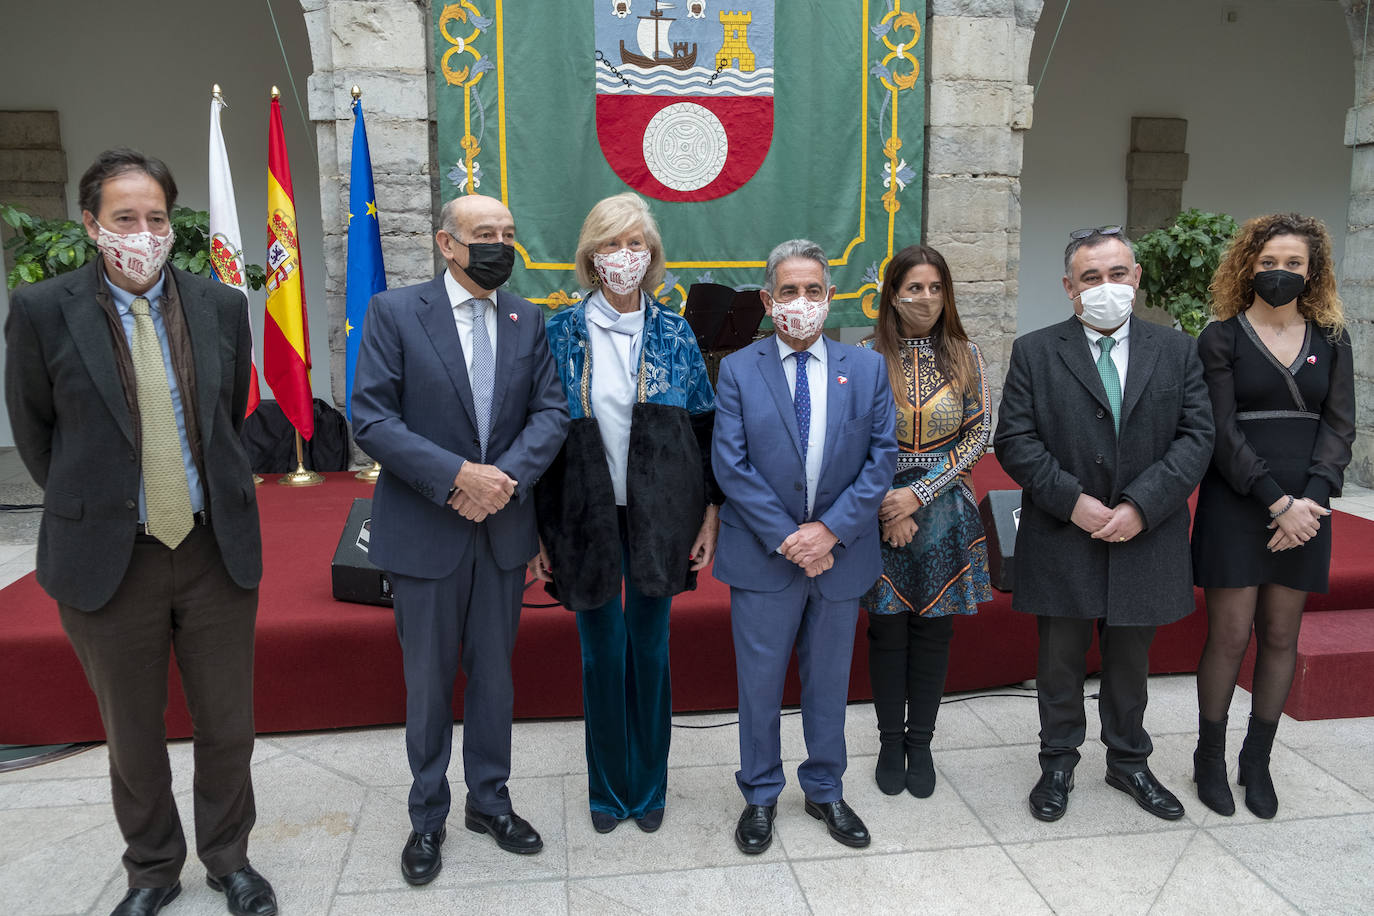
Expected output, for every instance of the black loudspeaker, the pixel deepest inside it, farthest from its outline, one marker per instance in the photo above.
(1001, 514)
(353, 576)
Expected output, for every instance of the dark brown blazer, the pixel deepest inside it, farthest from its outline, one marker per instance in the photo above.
(76, 435)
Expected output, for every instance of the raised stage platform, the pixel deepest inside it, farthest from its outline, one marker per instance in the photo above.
(322, 663)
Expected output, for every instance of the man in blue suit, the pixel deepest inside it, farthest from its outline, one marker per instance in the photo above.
(455, 393)
(804, 451)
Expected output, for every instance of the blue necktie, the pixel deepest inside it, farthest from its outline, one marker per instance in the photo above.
(483, 371)
(801, 402)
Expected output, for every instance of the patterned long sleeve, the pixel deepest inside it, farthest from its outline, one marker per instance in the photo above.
(970, 445)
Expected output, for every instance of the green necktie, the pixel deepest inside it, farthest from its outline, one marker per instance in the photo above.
(165, 490)
(1110, 379)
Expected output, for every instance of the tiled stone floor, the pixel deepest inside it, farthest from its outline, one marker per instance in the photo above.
(331, 821)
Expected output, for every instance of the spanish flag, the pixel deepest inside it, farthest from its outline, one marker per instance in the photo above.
(285, 330)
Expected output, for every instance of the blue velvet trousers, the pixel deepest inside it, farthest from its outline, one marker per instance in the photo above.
(626, 699)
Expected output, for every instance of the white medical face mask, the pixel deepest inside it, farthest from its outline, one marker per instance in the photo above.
(138, 255)
(1107, 305)
(800, 318)
(622, 271)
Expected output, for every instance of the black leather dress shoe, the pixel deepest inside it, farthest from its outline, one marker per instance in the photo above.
(146, 901)
(650, 820)
(754, 832)
(246, 892)
(1050, 797)
(1147, 792)
(510, 831)
(422, 858)
(844, 825)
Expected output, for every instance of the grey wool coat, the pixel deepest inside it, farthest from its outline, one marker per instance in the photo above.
(1055, 438)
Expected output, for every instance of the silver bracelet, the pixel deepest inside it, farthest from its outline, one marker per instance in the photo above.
(1286, 507)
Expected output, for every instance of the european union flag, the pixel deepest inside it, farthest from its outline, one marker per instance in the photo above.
(366, 273)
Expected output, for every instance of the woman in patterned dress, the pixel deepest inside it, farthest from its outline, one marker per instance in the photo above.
(1280, 371)
(630, 500)
(934, 551)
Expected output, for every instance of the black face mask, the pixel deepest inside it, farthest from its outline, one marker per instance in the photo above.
(1278, 287)
(489, 263)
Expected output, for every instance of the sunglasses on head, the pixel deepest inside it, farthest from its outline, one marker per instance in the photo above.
(1079, 234)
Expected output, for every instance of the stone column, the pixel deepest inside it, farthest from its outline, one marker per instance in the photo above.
(1357, 283)
(33, 167)
(980, 106)
(1156, 168)
(381, 46)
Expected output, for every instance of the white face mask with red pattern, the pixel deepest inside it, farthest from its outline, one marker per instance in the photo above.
(801, 318)
(622, 271)
(138, 255)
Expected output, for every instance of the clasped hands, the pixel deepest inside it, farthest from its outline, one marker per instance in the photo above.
(481, 490)
(897, 527)
(810, 548)
(1298, 525)
(1115, 525)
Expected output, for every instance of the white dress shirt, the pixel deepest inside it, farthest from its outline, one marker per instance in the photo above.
(614, 387)
(816, 380)
(462, 317)
(1120, 349)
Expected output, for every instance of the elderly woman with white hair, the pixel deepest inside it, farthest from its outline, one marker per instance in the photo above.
(629, 501)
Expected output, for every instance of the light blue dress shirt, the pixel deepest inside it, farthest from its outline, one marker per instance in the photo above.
(124, 302)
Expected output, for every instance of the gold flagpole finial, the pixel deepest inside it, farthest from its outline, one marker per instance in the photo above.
(357, 93)
(276, 93)
(216, 94)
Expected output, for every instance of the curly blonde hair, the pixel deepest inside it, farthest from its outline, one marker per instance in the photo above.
(1232, 289)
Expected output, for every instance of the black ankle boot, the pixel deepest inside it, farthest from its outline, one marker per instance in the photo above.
(920, 768)
(890, 772)
(1260, 797)
(1209, 767)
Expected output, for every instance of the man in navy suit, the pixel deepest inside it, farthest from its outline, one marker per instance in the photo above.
(456, 395)
(804, 451)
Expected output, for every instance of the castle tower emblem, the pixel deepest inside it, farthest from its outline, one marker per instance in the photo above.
(734, 49)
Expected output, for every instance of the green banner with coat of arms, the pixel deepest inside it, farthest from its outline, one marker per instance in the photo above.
(743, 123)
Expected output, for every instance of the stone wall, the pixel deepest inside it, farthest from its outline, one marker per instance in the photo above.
(980, 107)
(33, 168)
(382, 47)
(1357, 284)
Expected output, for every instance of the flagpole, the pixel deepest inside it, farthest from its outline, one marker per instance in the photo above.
(301, 476)
(369, 474)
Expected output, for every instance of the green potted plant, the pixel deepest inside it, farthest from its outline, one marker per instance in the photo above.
(1178, 262)
(43, 248)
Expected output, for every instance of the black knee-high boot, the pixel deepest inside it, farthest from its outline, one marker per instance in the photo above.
(1260, 797)
(1209, 767)
(927, 662)
(887, 645)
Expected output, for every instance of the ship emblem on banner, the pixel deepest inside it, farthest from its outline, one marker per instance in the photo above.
(684, 93)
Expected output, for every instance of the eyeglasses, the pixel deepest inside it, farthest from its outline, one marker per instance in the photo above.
(1080, 234)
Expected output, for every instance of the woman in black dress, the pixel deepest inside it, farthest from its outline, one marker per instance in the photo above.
(1280, 372)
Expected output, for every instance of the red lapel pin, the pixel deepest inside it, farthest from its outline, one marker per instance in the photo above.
(1312, 360)
(514, 317)
(841, 379)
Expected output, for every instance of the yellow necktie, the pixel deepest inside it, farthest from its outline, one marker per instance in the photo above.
(165, 489)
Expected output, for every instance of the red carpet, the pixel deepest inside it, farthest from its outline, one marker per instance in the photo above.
(322, 663)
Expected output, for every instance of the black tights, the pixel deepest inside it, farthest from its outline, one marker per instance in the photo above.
(1275, 612)
(907, 658)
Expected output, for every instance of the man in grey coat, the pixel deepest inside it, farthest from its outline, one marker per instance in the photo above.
(1106, 424)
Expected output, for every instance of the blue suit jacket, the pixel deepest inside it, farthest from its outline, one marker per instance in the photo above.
(758, 464)
(413, 412)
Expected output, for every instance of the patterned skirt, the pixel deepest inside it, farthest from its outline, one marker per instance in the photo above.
(944, 570)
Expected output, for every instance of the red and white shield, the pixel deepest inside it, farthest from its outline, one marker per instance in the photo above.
(684, 93)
